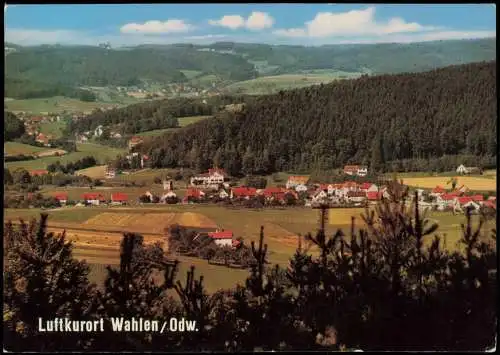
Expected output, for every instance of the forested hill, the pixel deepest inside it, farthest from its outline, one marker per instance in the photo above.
(155, 114)
(371, 120)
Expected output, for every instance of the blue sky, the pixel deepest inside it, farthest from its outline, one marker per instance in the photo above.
(307, 24)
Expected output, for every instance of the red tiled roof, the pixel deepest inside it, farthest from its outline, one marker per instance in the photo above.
(61, 196)
(373, 195)
(244, 191)
(492, 198)
(119, 196)
(438, 190)
(351, 167)
(193, 193)
(136, 139)
(366, 185)
(464, 200)
(477, 198)
(271, 191)
(221, 235)
(38, 172)
(448, 197)
(93, 196)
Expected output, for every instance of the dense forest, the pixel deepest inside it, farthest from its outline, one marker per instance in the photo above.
(26, 89)
(381, 121)
(375, 287)
(94, 66)
(153, 114)
(407, 57)
(13, 127)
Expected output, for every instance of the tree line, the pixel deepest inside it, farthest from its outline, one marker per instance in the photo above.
(152, 115)
(75, 66)
(29, 89)
(377, 287)
(406, 121)
(13, 127)
(71, 167)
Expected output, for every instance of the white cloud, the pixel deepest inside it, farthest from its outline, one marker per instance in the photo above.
(259, 21)
(256, 21)
(169, 26)
(354, 22)
(231, 21)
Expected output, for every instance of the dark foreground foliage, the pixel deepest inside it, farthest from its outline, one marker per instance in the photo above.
(376, 288)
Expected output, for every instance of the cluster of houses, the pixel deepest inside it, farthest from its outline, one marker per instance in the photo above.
(459, 200)
(94, 198)
(32, 124)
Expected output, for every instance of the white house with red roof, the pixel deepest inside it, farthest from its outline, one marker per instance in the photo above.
(93, 198)
(119, 198)
(353, 170)
(193, 194)
(437, 191)
(62, 197)
(243, 192)
(210, 180)
(222, 238)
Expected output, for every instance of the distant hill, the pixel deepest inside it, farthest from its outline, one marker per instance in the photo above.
(73, 66)
(415, 121)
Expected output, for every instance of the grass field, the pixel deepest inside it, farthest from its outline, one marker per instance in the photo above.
(97, 240)
(53, 128)
(53, 104)
(100, 152)
(473, 183)
(94, 172)
(183, 122)
(14, 148)
(270, 84)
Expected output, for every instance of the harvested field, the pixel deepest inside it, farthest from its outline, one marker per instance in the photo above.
(473, 183)
(95, 172)
(50, 153)
(148, 222)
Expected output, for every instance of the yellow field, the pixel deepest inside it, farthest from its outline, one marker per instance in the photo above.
(95, 172)
(473, 183)
(342, 216)
(149, 222)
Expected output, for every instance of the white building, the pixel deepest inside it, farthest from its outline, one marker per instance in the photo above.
(210, 180)
(301, 188)
(222, 238)
(98, 131)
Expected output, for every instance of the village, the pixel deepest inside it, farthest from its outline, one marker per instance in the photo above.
(215, 186)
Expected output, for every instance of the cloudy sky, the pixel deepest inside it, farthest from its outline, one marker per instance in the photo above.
(305, 24)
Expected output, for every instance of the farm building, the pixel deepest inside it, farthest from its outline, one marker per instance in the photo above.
(62, 197)
(243, 192)
(93, 198)
(110, 173)
(437, 191)
(193, 194)
(463, 170)
(39, 172)
(356, 170)
(373, 196)
(119, 198)
(301, 188)
(276, 193)
(222, 238)
(294, 181)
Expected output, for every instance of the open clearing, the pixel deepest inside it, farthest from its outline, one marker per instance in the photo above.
(183, 122)
(473, 183)
(268, 84)
(100, 152)
(53, 128)
(94, 172)
(14, 148)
